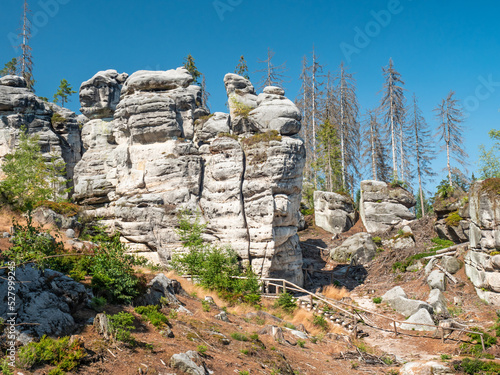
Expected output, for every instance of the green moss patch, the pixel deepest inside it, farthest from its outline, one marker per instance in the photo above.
(267, 137)
(453, 219)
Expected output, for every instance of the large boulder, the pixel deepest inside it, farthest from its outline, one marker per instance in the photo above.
(383, 206)
(482, 264)
(425, 368)
(162, 152)
(421, 317)
(358, 248)
(44, 298)
(407, 306)
(334, 212)
(437, 301)
(437, 280)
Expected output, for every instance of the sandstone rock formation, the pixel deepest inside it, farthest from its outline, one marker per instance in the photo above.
(452, 214)
(158, 151)
(383, 206)
(334, 212)
(57, 128)
(482, 264)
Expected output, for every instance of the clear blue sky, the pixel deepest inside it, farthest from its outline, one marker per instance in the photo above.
(437, 46)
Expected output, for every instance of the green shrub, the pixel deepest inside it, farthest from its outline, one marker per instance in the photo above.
(377, 300)
(205, 305)
(112, 270)
(377, 240)
(201, 349)
(240, 109)
(474, 347)
(213, 267)
(62, 208)
(55, 352)
(5, 367)
(475, 366)
(98, 303)
(445, 191)
(320, 322)
(122, 325)
(152, 314)
(286, 302)
(301, 343)
(239, 336)
(445, 357)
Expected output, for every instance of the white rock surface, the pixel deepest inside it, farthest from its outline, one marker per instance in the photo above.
(437, 280)
(382, 206)
(422, 316)
(333, 212)
(359, 248)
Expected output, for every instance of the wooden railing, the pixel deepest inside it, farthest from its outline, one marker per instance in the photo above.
(282, 286)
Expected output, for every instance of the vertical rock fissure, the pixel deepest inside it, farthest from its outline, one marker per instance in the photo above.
(242, 202)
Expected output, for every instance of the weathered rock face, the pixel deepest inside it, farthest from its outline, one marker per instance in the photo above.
(163, 152)
(382, 206)
(100, 94)
(452, 214)
(59, 136)
(482, 266)
(45, 298)
(334, 212)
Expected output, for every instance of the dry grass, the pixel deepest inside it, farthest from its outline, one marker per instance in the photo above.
(331, 291)
(305, 317)
(193, 289)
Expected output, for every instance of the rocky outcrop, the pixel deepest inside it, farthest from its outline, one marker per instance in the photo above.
(45, 299)
(452, 217)
(482, 264)
(334, 212)
(57, 128)
(383, 206)
(161, 152)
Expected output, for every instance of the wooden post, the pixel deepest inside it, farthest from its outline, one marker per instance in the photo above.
(331, 278)
(284, 286)
(482, 342)
(442, 334)
(355, 331)
(395, 328)
(312, 301)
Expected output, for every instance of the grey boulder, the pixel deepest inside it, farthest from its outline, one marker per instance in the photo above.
(333, 212)
(437, 280)
(359, 248)
(437, 301)
(422, 316)
(186, 362)
(158, 288)
(451, 264)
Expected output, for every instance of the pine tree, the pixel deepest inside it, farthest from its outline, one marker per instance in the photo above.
(393, 107)
(272, 75)
(25, 61)
(328, 159)
(316, 94)
(242, 68)
(450, 131)
(191, 68)
(424, 152)
(63, 92)
(348, 126)
(375, 151)
(10, 68)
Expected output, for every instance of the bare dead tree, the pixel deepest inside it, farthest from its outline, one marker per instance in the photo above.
(25, 61)
(272, 75)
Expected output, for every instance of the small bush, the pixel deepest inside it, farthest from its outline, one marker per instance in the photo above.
(320, 322)
(377, 240)
(301, 343)
(240, 109)
(474, 347)
(152, 315)
(445, 191)
(122, 325)
(201, 349)
(62, 208)
(55, 352)
(377, 300)
(286, 302)
(239, 337)
(98, 303)
(475, 366)
(445, 357)
(205, 305)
